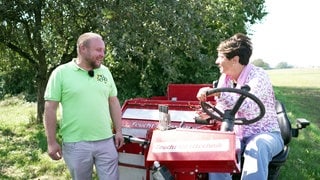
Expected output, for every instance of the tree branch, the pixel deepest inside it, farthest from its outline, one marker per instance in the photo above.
(21, 53)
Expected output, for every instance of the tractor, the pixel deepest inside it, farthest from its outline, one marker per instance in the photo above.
(197, 137)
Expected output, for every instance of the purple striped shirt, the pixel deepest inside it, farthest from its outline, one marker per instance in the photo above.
(261, 87)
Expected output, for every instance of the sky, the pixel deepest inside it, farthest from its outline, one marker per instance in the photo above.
(289, 33)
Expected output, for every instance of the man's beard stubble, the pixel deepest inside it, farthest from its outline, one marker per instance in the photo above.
(92, 63)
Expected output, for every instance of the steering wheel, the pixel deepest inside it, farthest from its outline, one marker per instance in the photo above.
(229, 115)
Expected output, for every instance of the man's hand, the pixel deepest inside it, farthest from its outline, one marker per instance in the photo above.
(54, 151)
(118, 140)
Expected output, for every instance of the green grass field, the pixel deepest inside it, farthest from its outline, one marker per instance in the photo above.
(299, 90)
(23, 144)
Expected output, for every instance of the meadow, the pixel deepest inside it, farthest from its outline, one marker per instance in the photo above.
(23, 143)
(299, 90)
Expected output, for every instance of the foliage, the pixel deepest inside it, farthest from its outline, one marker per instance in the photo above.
(283, 65)
(158, 42)
(150, 43)
(43, 34)
(156, 39)
(17, 76)
(261, 63)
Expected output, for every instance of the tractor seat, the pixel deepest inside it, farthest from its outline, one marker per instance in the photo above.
(286, 133)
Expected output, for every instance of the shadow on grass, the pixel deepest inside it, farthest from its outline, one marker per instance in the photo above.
(304, 157)
(21, 147)
(303, 102)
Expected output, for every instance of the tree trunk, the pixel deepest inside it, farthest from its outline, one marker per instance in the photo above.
(40, 99)
(42, 79)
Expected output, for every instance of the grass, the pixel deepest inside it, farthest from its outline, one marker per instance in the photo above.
(23, 144)
(299, 90)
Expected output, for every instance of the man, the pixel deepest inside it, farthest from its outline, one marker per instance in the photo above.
(90, 112)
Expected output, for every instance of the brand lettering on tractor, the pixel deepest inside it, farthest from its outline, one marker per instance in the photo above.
(144, 125)
(192, 146)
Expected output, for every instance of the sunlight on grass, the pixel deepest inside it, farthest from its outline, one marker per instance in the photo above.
(23, 144)
(299, 90)
(9, 114)
(305, 77)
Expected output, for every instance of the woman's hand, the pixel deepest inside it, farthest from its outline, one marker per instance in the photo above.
(202, 93)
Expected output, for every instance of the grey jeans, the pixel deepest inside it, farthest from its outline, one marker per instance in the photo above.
(81, 156)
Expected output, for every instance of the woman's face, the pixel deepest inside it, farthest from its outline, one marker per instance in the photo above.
(225, 64)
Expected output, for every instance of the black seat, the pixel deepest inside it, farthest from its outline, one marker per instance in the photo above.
(286, 133)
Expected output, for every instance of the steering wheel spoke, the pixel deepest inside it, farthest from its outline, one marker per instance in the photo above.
(211, 110)
(216, 114)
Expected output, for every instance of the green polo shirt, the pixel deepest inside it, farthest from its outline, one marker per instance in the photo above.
(84, 101)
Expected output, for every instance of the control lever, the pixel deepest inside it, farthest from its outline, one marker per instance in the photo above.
(131, 139)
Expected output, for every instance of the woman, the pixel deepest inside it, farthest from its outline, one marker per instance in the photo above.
(262, 140)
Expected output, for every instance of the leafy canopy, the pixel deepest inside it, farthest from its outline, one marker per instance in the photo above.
(149, 43)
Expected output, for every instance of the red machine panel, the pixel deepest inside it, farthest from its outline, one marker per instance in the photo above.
(195, 150)
(185, 92)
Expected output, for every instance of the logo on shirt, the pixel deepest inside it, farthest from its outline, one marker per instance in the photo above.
(102, 78)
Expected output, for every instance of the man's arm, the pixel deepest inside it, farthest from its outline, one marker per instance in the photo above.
(50, 122)
(115, 112)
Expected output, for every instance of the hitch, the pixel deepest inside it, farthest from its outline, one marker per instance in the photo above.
(301, 124)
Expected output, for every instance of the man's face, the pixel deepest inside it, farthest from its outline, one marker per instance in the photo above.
(94, 53)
